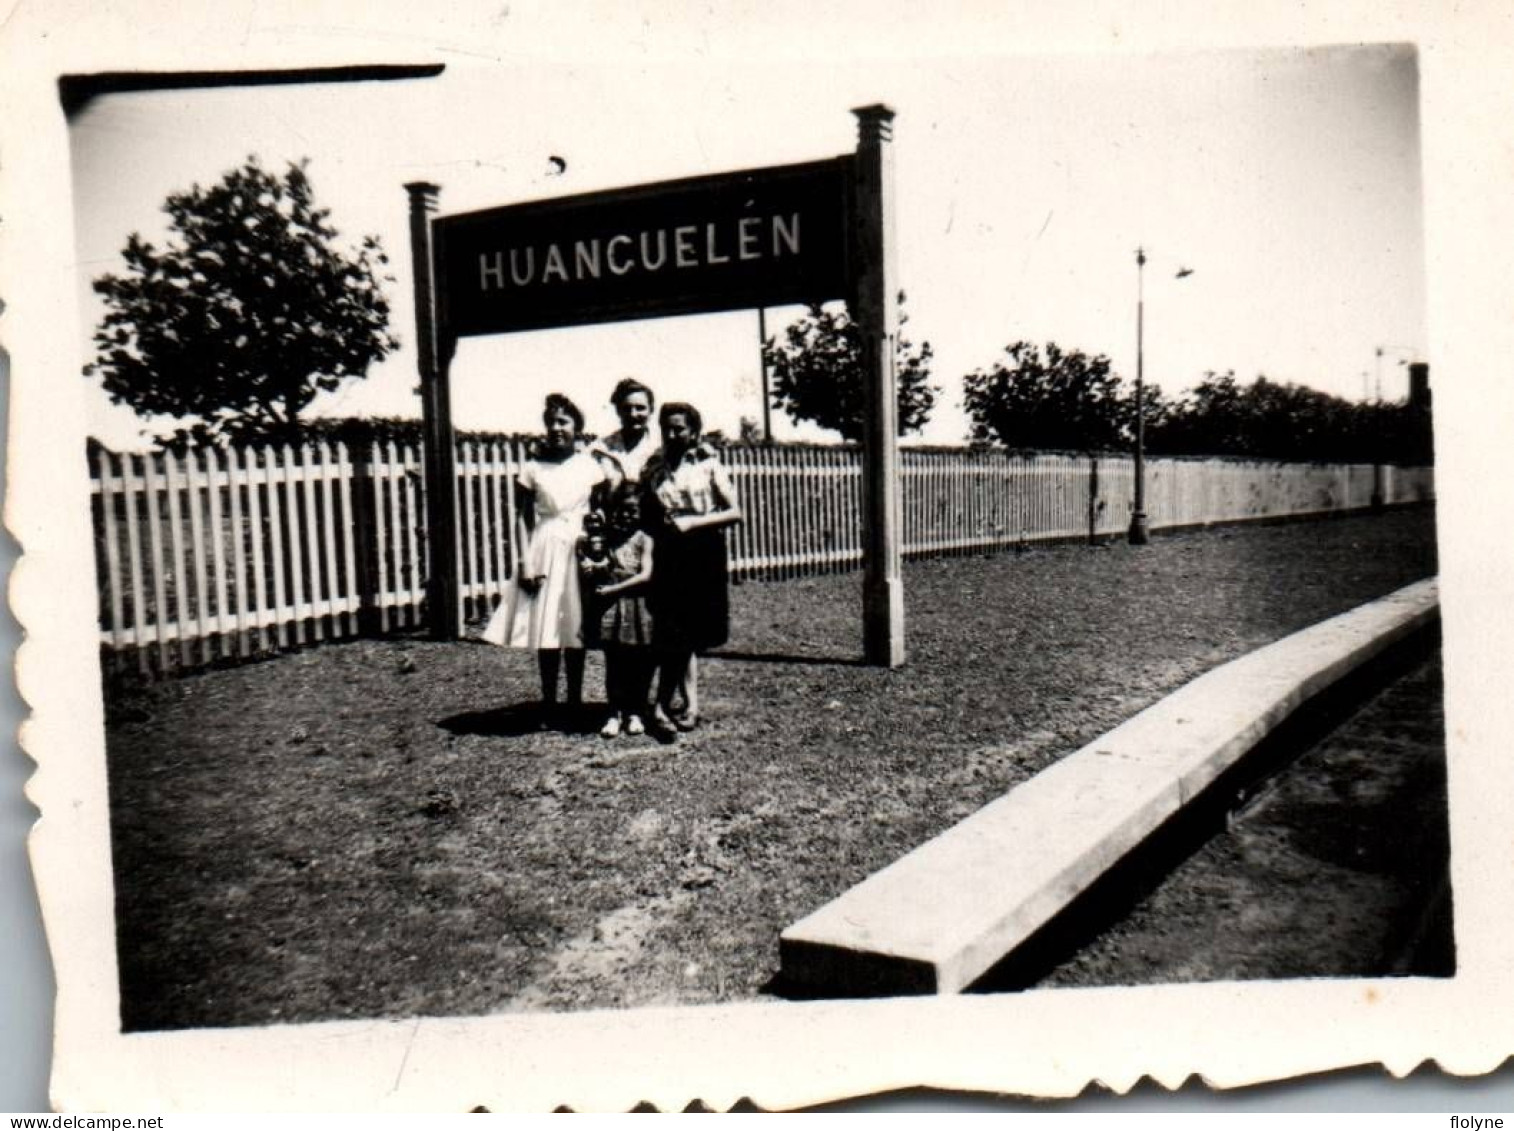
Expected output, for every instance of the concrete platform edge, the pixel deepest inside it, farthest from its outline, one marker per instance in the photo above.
(938, 917)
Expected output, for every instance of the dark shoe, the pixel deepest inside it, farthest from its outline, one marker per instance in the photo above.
(660, 727)
(548, 716)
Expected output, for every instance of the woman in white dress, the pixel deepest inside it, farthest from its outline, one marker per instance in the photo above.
(543, 607)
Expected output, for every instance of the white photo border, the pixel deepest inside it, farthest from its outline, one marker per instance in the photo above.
(778, 1055)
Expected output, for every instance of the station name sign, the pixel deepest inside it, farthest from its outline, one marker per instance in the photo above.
(762, 237)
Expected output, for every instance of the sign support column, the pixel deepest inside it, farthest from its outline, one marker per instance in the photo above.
(443, 607)
(875, 311)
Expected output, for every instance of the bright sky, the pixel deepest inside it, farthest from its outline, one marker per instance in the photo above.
(1288, 181)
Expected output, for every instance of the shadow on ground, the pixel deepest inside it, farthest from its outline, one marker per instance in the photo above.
(786, 658)
(519, 719)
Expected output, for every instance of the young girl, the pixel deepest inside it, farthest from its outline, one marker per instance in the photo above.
(542, 608)
(619, 583)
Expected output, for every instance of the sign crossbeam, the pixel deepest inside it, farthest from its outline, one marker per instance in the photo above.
(725, 242)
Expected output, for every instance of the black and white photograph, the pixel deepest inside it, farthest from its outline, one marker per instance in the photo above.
(763, 547)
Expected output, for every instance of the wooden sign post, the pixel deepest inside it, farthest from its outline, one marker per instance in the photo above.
(434, 348)
(875, 311)
(787, 234)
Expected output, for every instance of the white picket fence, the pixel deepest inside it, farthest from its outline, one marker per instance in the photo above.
(223, 553)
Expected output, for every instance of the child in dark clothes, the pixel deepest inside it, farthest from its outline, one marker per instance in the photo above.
(618, 581)
(593, 561)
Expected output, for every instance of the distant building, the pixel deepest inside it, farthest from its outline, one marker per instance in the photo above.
(1419, 386)
(1421, 432)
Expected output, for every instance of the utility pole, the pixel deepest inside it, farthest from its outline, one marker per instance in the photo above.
(1379, 468)
(767, 395)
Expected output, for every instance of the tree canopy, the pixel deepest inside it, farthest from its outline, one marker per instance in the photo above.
(817, 373)
(1050, 398)
(247, 311)
(1063, 400)
(1276, 420)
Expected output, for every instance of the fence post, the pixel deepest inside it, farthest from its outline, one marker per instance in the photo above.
(365, 539)
(1093, 500)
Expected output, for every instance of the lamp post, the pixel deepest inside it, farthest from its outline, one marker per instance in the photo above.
(1408, 352)
(1139, 533)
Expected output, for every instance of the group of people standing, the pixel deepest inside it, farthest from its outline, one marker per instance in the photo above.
(626, 552)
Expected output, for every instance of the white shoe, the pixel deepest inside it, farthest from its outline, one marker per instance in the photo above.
(611, 729)
(634, 725)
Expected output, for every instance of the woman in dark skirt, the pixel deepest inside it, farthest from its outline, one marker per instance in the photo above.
(689, 503)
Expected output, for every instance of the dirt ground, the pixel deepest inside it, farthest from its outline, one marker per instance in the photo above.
(377, 829)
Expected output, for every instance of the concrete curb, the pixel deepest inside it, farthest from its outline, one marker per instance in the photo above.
(939, 917)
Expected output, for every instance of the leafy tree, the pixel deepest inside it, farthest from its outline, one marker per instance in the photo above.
(817, 373)
(1276, 420)
(1210, 419)
(1052, 399)
(248, 310)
